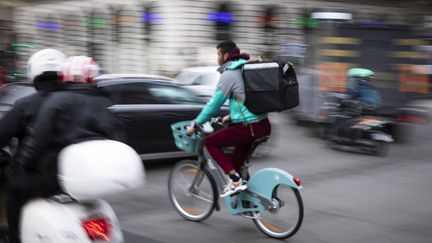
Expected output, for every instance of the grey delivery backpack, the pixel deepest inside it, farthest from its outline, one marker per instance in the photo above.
(270, 86)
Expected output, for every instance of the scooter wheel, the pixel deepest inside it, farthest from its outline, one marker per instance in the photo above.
(381, 149)
(333, 145)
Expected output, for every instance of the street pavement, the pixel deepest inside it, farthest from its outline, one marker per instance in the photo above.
(348, 197)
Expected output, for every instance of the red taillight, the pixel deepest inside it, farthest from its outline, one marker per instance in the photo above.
(355, 123)
(97, 229)
(322, 117)
(297, 181)
(412, 119)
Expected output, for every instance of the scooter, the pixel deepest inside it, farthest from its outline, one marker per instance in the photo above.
(344, 126)
(88, 172)
(365, 133)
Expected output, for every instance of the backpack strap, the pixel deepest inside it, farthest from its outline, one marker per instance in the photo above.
(244, 117)
(237, 64)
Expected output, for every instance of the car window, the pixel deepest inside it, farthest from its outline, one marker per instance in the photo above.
(129, 93)
(209, 78)
(198, 78)
(173, 94)
(188, 78)
(9, 94)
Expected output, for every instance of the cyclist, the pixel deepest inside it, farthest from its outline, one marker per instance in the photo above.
(245, 126)
(74, 114)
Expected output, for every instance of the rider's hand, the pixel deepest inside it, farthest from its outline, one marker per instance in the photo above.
(226, 119)
(191, 129)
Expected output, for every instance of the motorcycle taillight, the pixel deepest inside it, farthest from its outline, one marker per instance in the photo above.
(97, 228)
(322, 117)
(412, 119)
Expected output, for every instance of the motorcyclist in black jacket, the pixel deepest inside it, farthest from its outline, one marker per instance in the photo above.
(74, 114)
(43, 71)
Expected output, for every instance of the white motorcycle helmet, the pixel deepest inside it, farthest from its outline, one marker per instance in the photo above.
(44, 61)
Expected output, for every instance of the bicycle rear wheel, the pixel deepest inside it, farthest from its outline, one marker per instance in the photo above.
(192, 191)
(283, 220)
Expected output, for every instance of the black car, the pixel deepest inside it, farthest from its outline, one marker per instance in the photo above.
(147, 104)
(9, 93)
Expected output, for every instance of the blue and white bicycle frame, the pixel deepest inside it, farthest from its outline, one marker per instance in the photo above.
(260, 186)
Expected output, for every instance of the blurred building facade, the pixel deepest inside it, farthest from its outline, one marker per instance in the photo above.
(162, 37)
(7, 36)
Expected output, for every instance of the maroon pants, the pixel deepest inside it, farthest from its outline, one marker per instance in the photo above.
(239, 136)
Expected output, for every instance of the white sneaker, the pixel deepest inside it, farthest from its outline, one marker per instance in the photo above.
(233, 187)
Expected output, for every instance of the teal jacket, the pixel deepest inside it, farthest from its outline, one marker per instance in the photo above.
(230, 87)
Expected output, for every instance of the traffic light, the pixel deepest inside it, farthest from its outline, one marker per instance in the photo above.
(269, 19)
(223, 19)
(89, 23)
(269, 24)
(147, 18)
(91, 34)
(115, 23)
(305, 21)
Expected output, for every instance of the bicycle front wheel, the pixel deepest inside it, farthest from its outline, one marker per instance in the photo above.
(285, 217)
(192, 191)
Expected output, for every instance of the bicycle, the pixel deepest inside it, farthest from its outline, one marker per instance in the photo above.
(272, 199)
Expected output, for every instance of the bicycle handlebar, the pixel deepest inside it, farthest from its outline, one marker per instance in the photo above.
(212, 121)
(216, 120)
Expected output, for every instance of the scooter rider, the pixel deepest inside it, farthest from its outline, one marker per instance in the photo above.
(43, 67)
(360, 89)
(76, 113)
(43, 71)
(362, 99)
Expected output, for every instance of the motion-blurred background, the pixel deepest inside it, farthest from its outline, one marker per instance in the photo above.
(322, 38)
(349, 197)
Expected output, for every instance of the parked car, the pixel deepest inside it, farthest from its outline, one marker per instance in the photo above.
(203, 80)
(147, 104)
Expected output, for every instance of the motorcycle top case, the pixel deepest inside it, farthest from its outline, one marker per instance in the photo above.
(270, 86)
(98, 168)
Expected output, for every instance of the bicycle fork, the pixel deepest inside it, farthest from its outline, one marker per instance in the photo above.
(194, 188)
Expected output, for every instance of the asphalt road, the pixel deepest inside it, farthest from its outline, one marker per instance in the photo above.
(348, 197)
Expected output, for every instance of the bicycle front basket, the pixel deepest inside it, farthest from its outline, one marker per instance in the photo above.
(182, 140)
